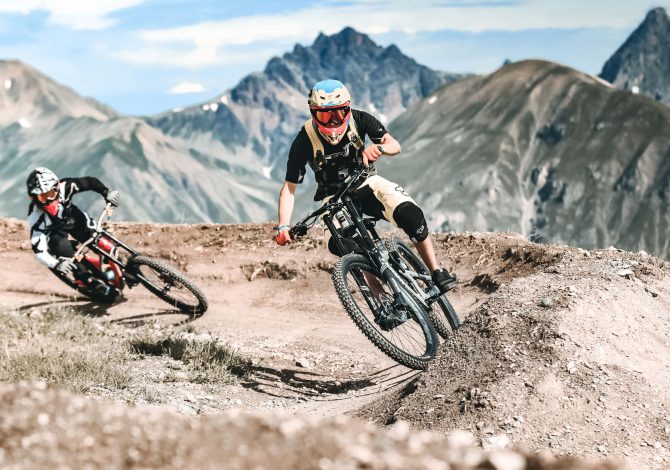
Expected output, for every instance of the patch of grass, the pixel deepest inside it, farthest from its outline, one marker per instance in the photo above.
(207, 359)
(79, 353)
(59, 346)
(77, 372)
(151, 395)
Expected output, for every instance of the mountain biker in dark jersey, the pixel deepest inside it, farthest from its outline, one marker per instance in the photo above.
(332, 126)
(52, 216)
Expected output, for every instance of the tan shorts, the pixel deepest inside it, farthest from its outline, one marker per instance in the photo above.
(389, 194)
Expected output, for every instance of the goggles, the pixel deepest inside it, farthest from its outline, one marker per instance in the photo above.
(331, 117)
(48, 196)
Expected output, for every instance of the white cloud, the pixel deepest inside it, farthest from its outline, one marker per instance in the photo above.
(187, 87)
(217, 42)
(74, 14)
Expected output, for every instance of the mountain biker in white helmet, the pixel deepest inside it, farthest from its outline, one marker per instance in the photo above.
(332, 126)
(52, 217)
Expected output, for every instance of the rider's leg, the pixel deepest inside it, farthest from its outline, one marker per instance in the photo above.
(61, 246)
(410, 218)
(393, 203)
(82, 231)
(427, 253)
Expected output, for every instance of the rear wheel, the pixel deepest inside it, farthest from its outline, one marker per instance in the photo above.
(169, 284)
(403, 333)
(442, 313)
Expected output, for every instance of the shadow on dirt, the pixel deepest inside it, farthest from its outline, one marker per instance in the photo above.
(284, 382)
(48, 303)
(137, 321)
(97, 309)
(79, 305)
(87, 308)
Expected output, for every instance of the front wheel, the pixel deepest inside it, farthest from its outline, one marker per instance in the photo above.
(402, 332)
(445, 319)
(169, 284)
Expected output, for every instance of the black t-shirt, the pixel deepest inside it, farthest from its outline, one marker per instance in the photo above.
(301, 152)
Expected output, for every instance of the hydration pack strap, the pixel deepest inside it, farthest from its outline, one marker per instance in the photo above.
(317, 145)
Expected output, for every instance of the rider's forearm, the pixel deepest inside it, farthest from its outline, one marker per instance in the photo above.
(90, 183)
(285, 209)
(40, 248)
(46, 259)
(391, 146)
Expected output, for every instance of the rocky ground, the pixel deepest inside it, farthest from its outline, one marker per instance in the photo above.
(42, 427)
(561, 350)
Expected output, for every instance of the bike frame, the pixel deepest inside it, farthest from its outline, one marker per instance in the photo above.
(369, 239)
(92, 245)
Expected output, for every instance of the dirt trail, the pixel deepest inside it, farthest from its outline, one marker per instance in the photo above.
(274, 305)
(561, 349)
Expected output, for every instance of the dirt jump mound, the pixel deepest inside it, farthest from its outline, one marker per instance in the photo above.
(572, 357)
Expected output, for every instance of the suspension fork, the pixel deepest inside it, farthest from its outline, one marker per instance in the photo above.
(358, 222)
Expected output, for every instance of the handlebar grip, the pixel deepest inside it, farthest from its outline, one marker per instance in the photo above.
(297, 231)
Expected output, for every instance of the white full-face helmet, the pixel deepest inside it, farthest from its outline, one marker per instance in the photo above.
(330, 105)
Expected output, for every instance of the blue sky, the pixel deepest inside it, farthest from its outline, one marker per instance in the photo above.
(147, 56)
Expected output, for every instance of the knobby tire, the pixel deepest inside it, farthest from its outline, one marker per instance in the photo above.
(371, 329)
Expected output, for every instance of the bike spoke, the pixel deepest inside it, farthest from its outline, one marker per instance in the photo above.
(408, 335)
(168, 286)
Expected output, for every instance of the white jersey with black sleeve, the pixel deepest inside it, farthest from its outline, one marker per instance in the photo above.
(39, 220)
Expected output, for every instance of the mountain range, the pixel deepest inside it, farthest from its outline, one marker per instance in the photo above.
(217, 161)
(262, 114)
(543, 150)
(535, 147)
(43, 123)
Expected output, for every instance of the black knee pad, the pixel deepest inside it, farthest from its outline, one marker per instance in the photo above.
(410, 218)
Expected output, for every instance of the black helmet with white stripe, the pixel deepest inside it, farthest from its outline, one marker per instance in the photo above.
(41, 181)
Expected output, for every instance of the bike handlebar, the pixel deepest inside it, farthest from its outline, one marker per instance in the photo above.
(300, 229)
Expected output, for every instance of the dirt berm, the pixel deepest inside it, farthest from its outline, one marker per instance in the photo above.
(574, 357)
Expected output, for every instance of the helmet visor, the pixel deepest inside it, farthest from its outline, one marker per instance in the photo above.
(331, 117)
(48, 196)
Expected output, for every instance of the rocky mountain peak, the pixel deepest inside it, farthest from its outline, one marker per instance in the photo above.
(372, 73)
(27, 95)
(642, 63)
(657, 16)
(346, 39)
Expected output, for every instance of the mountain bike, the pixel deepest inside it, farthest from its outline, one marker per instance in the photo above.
(110, 265)
(382, 284)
